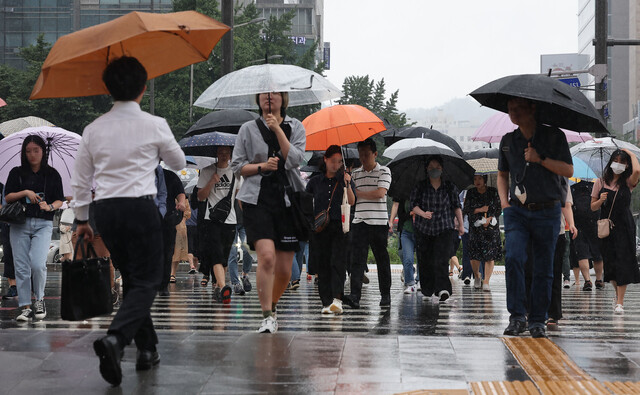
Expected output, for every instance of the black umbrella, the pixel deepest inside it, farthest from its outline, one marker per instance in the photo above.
(420, 131)
(409, 168)
(227, 121)
(482, 153)
(558, 104)
(313, 164)
(207, 144)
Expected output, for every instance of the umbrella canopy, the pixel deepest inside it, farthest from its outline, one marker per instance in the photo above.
(409, 168)
(596, 153)
(482, 153)
(313, 164)
(2, 103)
(227, 121)
(18, 124)
(63, 146)
(558, 104)
(406, 144)
(581, 170)
(484, 165)
(238, 89)
(161, 42)
(340, 125)
(207, 144)
(420, 131)
(492, 130)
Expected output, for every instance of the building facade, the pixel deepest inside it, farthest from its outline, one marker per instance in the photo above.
(21, 21)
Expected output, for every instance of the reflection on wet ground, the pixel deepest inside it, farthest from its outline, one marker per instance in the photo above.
(208, 347)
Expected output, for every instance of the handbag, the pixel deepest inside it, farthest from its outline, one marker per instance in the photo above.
(322, 219)
(221, 210)
(605, 225)
(13, 213)
(86, 285)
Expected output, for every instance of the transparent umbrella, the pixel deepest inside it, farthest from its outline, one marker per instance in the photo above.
(596, 153)
(238, 89)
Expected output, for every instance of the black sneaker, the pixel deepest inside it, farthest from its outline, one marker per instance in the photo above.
(164, 292)
(350, 301)
(385, 301)
(238, 289)
(246, 284)
(443, 295)
(12, 293)
(599, 284)
(26, 315)
(216, 294)
(515, 328)
(39, 310)
(538, 333)
(587, 286)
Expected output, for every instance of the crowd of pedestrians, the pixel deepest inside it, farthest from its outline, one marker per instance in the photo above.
(147, 224)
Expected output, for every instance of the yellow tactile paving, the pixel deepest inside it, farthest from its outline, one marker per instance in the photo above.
(543, 361)
(435, 392)
(623, 388)
(559, 387)
(504, 388)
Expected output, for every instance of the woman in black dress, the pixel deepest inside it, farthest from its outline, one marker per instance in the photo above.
(482, 205)
(612, 195)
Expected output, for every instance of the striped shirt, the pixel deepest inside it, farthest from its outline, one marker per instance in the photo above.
(371, 211)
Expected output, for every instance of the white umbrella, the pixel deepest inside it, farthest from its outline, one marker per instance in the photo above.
(406, 144)
(238, 89)
(596, 153)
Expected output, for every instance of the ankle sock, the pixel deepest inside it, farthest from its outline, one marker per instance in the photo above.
(266, 313)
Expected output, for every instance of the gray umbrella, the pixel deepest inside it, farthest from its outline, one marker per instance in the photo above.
(227, 121)
(391, 137)
(558, 104)
(482, 153)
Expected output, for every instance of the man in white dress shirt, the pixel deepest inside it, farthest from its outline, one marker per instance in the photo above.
(119, 152)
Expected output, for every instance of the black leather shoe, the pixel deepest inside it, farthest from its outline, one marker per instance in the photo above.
(538, 333)
(110, 353)
(349, 301)
(385, 301)
(145, 360)
(515, 328)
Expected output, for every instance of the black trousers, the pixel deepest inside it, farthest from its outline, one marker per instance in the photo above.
(132, 232)
(555, 308)
(168, 246)
(374, 236)
(327, 251)
(7, 252)
(433, 261)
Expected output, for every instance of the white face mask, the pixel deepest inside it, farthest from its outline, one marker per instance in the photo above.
(618, 168)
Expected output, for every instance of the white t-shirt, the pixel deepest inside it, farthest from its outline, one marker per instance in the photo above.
(220, 189)
(372, 211)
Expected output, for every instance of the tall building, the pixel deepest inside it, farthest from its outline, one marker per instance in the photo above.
(307, 27)
(21, 21)
(623, 88)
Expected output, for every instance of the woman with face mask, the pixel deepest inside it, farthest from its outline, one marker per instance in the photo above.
(435, 204)
(612, 196)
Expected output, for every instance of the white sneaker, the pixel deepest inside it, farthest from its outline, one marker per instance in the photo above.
(326, 310)
(418, 288)
(39, 310)
(336, 306)
(467, 281)
(26, 315)
(477, 283)
(486, 287)
(269, 325)
(443, 295)
(618, 309)
(567, 284)
(410, 289)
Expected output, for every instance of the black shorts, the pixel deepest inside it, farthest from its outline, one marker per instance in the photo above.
(273, 224)
(455, 243)
(587, 244)
(214, 242)
(192, 239)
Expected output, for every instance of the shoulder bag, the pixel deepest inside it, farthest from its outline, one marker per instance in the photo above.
(14, 213)
(322, 218)
(221, 210)
(605, 225)
(86, 285)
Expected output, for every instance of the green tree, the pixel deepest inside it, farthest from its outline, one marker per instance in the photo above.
(15, 87)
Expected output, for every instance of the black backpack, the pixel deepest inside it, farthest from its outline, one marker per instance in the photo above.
(581, 193)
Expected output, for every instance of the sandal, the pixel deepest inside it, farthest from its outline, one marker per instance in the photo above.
(450, 274)
(193, 271)
(205, 281)
(172, 279)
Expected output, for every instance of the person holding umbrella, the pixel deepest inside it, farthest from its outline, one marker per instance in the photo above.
(267, 153)
(436, 206)
(533, 159)
(612, 196)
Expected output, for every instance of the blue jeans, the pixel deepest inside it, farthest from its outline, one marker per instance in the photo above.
(30, 244)
(296, 266)
(408, 248)
(541, 227)
(232, 262)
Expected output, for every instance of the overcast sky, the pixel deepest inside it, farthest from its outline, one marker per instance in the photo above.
(437, 50)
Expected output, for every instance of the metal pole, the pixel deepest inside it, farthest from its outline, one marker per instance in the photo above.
(152, 101)
(601, 16)
(191, 96)
(227, 39)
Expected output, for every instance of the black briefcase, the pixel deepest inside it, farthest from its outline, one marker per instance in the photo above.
(86, 285)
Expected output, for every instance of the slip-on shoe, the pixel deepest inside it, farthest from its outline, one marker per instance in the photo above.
(110, 353)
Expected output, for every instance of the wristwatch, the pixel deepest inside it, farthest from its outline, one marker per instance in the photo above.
(260, 170)
(51, 207)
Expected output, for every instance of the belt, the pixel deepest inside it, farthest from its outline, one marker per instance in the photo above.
(124, 199)
(535, 206)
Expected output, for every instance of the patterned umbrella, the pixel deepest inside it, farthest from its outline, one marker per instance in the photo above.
(207, 144)
(484, 165)
(18, 124)
(62, 146)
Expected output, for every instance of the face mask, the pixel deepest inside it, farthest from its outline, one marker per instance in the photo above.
(434, 173)
(618, 168)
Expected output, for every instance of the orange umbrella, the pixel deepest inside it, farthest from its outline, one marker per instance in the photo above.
(161, 42)
(340, 125)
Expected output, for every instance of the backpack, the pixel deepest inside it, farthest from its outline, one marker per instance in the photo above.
(581, 193)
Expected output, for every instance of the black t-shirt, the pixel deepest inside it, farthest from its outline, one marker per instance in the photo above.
(19, 180)
(322, 187)
(174, 188)
(541, 185)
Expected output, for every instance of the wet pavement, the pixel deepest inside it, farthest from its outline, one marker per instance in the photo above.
(207, 347)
